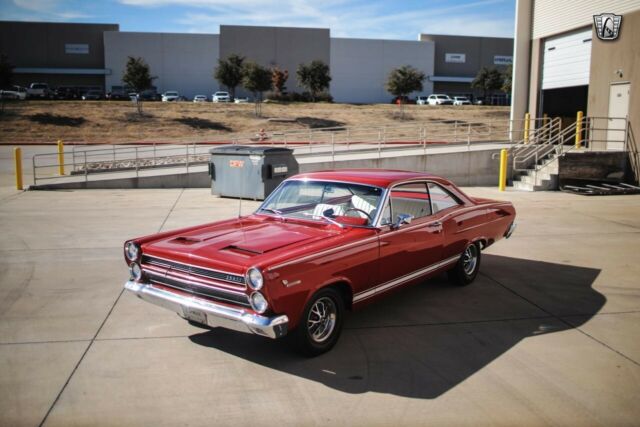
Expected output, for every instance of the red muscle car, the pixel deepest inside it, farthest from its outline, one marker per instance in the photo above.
(320, 244)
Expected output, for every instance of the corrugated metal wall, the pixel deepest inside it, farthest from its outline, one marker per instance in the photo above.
(554, 17)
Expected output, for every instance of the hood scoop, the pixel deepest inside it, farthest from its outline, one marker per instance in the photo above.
(242, 251)
(186, 240)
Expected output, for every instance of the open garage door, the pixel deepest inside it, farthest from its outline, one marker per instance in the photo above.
(566, 60)
(565, 75)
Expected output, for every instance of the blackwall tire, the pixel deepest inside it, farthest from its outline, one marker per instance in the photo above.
(466, 270)
(320, 324)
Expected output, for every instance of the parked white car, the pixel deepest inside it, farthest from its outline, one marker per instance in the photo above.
(421, 100)
(241, 100)
(221, 97)
(170, 95)
(14, 92)
(200, 98)
(461, 100)
(439, 99)
(38, 90)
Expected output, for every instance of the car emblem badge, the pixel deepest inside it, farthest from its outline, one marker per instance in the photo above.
(607, 26)
(288, 284)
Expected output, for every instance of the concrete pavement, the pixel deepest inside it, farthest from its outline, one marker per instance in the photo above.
(547, 335)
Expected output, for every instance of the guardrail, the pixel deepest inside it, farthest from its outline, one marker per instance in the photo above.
(88, 160)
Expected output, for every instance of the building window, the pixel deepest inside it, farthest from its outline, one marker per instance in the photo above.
(458, 58)
(76, 48)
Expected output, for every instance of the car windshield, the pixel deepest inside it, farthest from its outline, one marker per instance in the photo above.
(171, 93)
(221, 94)
(344, 203)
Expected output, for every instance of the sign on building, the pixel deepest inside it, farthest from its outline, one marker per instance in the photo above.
(502, 60)
(76, 48)
(459, 58)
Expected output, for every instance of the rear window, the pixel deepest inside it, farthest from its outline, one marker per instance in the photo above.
(441, 199)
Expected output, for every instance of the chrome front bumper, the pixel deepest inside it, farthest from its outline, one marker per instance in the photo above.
(216, 315)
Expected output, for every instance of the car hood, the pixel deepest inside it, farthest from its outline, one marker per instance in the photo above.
(236, 245)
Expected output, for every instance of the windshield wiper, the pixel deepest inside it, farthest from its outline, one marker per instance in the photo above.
(275, 211)
(326, 218)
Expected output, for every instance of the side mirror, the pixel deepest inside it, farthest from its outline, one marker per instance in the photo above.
(402, 219)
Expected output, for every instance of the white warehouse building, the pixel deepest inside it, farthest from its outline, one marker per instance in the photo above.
(186, 62)
(359, 67)
(183, 62)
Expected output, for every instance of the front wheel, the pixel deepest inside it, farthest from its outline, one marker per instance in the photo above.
(321, 323)
(466, 270)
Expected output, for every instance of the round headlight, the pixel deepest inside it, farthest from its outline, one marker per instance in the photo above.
(132, 250)
(259, 302)
(135, 271)
(254, 279)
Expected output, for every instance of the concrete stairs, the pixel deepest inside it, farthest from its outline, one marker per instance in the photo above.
(540, 176)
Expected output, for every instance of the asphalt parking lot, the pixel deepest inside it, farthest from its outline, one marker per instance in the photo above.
(547, 335)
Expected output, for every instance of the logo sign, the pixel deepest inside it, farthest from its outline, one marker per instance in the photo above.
(236, 163)
(76, 48)
(459, 58)
(607, 26)
(502, 60)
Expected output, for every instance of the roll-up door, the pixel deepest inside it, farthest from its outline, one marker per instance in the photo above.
(566, 60)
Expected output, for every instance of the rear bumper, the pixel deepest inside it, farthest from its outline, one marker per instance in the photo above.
(216, 315)
(510, 230)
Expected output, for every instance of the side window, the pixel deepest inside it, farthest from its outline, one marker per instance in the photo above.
(411, 199)
(441, 199)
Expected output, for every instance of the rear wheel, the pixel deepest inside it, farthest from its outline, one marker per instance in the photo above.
(321, 323)
(466, 270)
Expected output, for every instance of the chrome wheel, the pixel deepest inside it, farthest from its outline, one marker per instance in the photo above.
(470, 259)
(322, 319)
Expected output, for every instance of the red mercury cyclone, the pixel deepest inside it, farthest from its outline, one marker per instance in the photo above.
(320, 244)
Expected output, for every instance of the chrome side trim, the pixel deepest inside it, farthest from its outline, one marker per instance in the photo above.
(216, 315)
(403, 279)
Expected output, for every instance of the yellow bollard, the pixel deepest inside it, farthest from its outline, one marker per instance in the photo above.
(527, 118)
(579, 118)
(502, 185)
(60, 157)
(17, 154)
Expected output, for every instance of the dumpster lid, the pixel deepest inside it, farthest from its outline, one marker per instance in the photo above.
(249, 149)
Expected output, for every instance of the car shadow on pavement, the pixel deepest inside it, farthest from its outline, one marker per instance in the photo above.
(424, 340)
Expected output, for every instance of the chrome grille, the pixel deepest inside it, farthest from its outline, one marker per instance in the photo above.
(201, 290)
(191, 269)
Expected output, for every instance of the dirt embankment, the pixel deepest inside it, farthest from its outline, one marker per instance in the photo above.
(118, 121)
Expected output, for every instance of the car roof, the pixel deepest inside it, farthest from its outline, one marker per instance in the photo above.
(376, 177)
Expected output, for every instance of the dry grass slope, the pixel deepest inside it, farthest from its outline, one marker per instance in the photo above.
(117, 122)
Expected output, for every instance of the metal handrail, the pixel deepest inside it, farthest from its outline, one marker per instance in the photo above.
(88, 159)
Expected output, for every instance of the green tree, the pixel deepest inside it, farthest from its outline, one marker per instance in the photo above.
(138, 76)
(256, 79)
(314, 77)
(403, 81)
(507, 77)
(487, 80)
(6, 72)
(278, 79)
(229, 72)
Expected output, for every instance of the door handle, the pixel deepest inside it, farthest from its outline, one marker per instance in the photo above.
(434, 224)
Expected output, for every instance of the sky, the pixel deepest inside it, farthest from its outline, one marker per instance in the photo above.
(380, 19)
